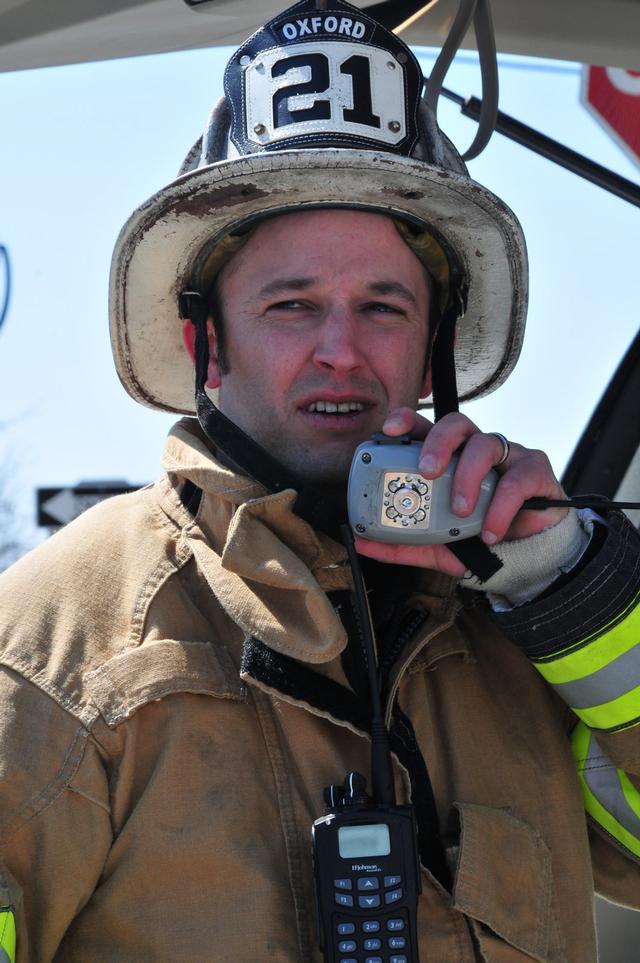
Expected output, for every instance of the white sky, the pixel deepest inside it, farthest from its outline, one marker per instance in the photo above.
(82, 146)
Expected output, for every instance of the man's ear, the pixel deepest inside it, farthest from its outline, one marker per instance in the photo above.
(427, 383)
(189, 339)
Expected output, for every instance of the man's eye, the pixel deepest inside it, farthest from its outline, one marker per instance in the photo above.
(383, 308)
(292, 305)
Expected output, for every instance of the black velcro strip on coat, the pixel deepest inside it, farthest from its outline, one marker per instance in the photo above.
(292, 678)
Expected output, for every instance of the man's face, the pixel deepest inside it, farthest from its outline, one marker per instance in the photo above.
(325, 318)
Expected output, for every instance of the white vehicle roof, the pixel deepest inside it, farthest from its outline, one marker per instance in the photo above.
(39, 33)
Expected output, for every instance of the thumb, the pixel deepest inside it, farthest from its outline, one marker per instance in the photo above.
(405, 421)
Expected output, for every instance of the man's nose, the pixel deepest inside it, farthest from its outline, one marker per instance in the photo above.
(338, 343)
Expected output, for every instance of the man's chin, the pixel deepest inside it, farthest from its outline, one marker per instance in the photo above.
(330, 471)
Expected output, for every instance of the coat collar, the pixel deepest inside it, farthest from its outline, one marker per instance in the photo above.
(268, 568)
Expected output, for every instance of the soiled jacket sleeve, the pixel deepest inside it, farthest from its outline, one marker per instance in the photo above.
(55, 827)
(584, 639)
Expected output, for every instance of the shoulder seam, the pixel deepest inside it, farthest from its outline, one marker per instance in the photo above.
(48, 795)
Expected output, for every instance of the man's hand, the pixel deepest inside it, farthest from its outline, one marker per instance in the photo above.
(525, 474)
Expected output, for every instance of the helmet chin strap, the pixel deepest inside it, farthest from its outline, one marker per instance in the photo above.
(443, 365)
(247, 455)
(472, 552)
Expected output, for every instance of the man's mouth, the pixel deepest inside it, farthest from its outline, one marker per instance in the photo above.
(335, 408)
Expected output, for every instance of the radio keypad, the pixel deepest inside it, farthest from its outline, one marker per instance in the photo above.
(347, 946)
(393, 896)
(397, 942)
(360, 931)
(368, 882)
(344, 883)
(372, 944)
(369, 902)
(342, 899)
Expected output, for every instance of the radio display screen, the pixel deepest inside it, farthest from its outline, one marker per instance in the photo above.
(358, 842)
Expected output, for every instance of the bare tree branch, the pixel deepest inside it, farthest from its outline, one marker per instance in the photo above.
(12, 544)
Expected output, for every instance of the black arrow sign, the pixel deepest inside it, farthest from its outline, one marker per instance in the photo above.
(57, 506)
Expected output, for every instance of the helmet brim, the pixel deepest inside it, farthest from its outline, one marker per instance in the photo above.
(159, 248)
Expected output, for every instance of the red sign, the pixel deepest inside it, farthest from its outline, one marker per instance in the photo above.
(612, 94)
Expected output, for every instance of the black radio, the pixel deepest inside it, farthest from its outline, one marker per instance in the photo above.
(367, 878)
(365, 853)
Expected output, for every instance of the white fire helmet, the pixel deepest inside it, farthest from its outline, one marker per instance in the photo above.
(322, 108)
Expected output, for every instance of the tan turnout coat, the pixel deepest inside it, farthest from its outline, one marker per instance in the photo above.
(157, 799)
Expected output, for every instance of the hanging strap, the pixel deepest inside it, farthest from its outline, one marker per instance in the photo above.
(443, 364)
(472, 552)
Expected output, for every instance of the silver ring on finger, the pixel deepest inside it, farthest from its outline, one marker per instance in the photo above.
(506, 448)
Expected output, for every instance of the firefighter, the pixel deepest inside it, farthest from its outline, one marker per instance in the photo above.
(180, 669)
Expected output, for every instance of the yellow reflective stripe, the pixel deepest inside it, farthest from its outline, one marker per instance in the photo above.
(7, 934)
(614, 714)
(595, 653)
(631, 794)
(580, 738)
(619, 784)
(612, 826)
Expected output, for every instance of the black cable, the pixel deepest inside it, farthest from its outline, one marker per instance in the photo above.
(480, 12)
(578, 501)
(381, 768)
(551, 149)
(608, 444)
(486, 43)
